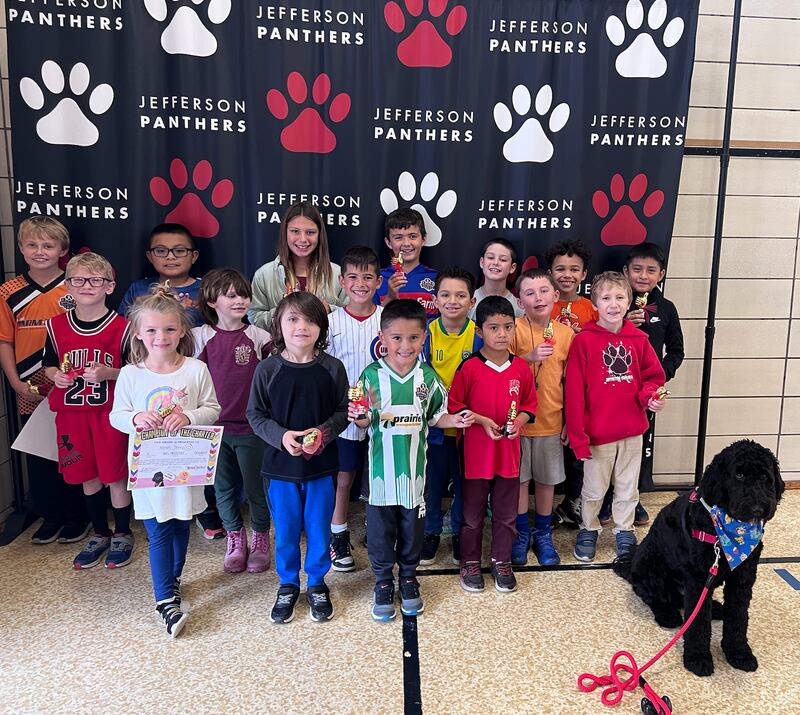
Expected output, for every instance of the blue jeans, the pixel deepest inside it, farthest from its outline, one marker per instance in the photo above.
(294, 507)
(169, 541)
(443, 463)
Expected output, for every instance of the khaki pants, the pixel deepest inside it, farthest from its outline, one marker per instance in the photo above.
(617, 462)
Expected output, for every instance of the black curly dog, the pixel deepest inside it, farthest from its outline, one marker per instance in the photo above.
(669, 568)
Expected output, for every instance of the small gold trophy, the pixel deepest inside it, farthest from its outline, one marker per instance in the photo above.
(66, 365)
(548, 334)
(166, 410)
(357, 397)
(33, 389)
(566, 311)
(397, 262)
(641, 301)
(512, 415)
(310, 438)
(661, 393)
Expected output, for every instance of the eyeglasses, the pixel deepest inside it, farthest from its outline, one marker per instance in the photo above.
(94, 281)
(163, 251)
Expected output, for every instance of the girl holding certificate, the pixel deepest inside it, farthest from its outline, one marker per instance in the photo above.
(164, 387)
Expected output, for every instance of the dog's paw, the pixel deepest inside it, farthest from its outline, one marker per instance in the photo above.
(741, 658)
(716, 611)
(668, 617)
(702, 665)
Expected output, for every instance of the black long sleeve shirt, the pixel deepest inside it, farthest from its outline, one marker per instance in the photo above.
(663, 328)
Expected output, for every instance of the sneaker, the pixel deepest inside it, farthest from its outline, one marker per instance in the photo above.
(182, 602)
(430, 545)
(320, 607)
(519, 549)
(626, 540)
(410, 597)
(471, 577)
(74, 531)
(172, 615)
(285, 601)
(120, 552)
(542, 545)
(258, 560)
(211, 526)
(383, 608)
(341, 552)
(237, 552)
(91, 554)
(605, 510)
(585, 545)
(456, 542)
(47, 533)
(640, 516)
(569, 513)
(503, 575)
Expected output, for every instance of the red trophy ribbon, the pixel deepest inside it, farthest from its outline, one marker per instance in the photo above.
(41, 390)
(548, 334)
(358, 397)
(512, 415)
(397, 262)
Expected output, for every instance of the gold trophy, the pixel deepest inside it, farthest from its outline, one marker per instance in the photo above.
(33, 389)
(66, 365)
(566, 311)
(310, 438)
(397, 262)
(512, 415)
(661, 393)
(641, 301)
(358, 397)
(166, 410)
(548, 334)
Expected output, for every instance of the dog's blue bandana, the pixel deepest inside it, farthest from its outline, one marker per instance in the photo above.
(737, 539)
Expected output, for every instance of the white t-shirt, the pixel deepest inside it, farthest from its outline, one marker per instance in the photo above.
(356, 343)
(141, 390)
(480, 295)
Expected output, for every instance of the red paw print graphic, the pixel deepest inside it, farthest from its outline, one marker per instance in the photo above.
(424, 47)
(191, 211)
(308, 133)
(624, 228)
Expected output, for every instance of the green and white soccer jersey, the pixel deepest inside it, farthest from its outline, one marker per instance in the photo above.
(402, 407)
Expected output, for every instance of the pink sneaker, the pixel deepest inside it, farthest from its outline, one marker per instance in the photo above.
(258, 560)
(236, 555)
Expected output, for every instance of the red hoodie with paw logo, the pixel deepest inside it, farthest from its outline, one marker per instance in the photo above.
(610, 379)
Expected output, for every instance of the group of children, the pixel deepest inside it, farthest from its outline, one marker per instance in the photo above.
(318, 373)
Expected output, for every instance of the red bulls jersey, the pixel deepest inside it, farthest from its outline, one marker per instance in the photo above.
(101, 342)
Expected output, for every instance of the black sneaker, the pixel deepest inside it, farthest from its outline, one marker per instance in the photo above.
(471, 577)
(569, 513)
(410, 597)
(640, 516)
(211, 525)
(74, 531)
(172, 615)
(285, 601)
(503, 575)
(47, 533)
(383, 608)
(320, 607)
(456, 549)
(430, 546)
(341, 554)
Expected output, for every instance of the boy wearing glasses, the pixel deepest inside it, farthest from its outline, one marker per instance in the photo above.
(172, 253)
(83, 355)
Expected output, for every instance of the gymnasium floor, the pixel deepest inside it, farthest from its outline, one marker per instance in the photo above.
(90, 642)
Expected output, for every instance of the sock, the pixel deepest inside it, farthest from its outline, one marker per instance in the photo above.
(522, 524)
(122, 519)
(96, 506)
(542, 522)
(338, 528)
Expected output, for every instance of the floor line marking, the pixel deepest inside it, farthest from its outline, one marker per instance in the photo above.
(789, 578)
(412, 689)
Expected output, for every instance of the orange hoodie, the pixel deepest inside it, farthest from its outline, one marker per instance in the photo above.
(610, 379)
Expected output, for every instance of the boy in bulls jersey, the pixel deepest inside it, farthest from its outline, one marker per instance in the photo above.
(498, 388)
(405, 276)
(83, 356)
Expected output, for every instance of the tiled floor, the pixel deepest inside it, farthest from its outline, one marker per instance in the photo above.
(74, 642)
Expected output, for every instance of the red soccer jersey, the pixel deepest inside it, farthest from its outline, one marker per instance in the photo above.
(101, 344)
(488, 390)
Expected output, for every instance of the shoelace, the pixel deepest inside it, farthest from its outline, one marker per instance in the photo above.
(319, 599)
(410, 587)
(234, 542)
(503, 568)
(260, 541)
(284, 599)
(473, 568)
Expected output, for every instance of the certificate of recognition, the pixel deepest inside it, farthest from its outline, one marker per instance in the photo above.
(184, 458)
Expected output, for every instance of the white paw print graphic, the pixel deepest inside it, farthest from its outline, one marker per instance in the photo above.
(428, 189)
(530, 142)
(643, 58)
(67, 123)
(186, 34)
